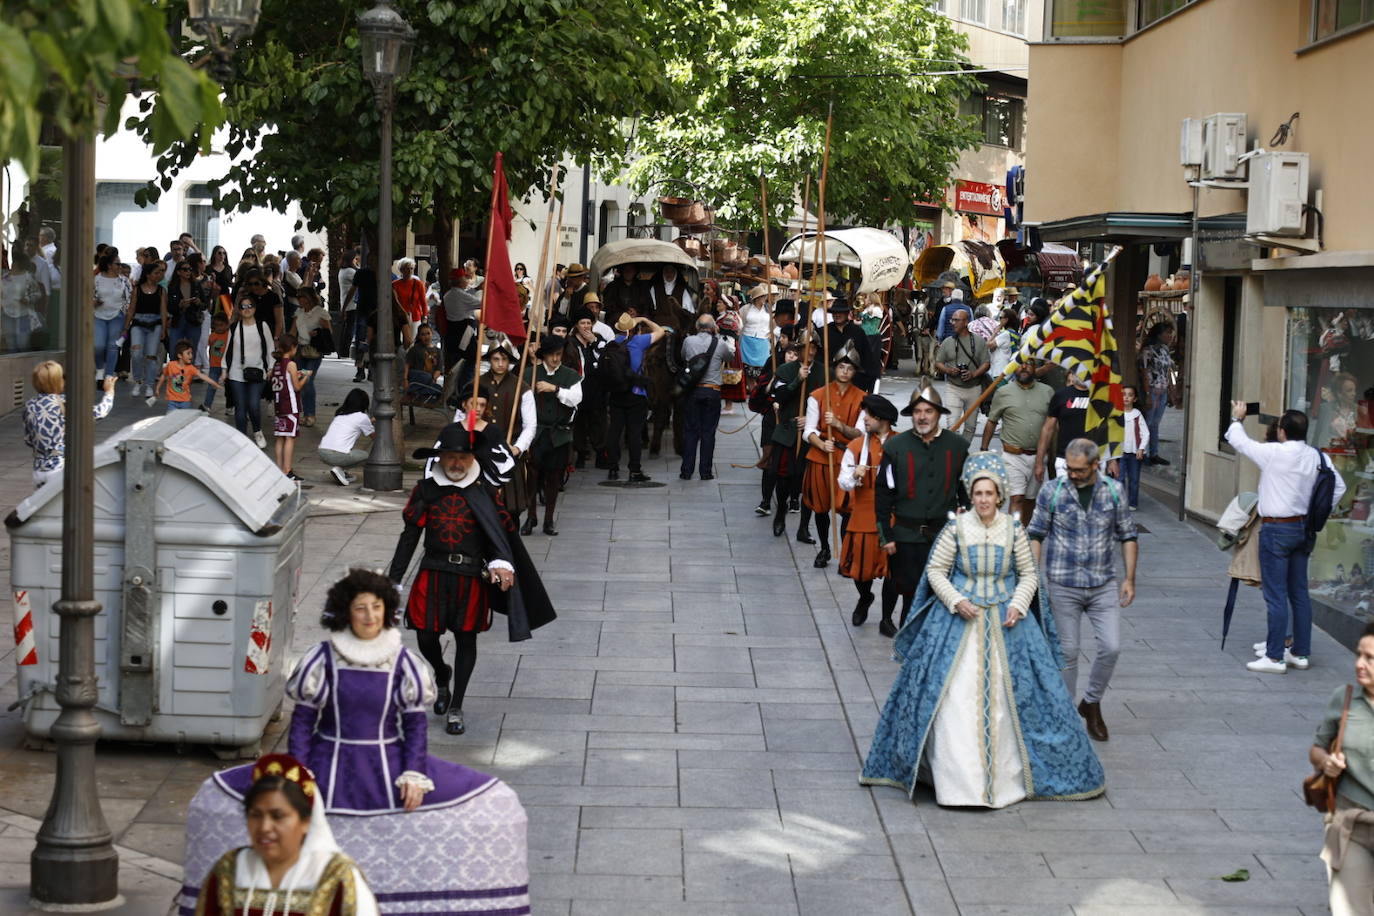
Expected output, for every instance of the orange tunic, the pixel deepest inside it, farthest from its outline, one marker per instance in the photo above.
(818, 483)
(861, 557)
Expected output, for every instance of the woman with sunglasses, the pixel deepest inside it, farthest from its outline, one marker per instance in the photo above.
(247, 357)
(186, 302)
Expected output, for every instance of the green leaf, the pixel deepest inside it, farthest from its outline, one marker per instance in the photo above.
(118, 18)
(180, 95)
(1240, 874)
(17, 65)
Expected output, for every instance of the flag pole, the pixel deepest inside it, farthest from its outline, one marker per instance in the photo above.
(486, 287)
(536, 304)
(825, 327)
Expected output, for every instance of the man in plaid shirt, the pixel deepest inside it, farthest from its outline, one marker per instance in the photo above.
(1077, 520)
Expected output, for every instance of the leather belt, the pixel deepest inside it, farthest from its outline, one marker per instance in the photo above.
(709, 385)
(1270, 519)
(928, 527)
(459, 563)
(1013, 450)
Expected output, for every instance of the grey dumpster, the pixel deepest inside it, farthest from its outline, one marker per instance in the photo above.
(198, 547)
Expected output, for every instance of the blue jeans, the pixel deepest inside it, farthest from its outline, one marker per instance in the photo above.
(700, 417)
(174, 406)
(107, 331)
(184, 330)
(1130, 479)
(15, 332)
(216, 373)
(143, 361)
(1159, 400)
(247, 405)
(1283, 553)
(308, 391)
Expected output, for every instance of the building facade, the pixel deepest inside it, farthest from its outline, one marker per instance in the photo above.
(1286, 322)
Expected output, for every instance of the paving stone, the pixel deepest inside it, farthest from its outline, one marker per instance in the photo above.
(636, 767)
(722, 788)
(721, 718)
(632, 700)
(611, 851)
(737, 875)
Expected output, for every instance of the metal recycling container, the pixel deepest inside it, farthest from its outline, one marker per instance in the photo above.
(199, 540)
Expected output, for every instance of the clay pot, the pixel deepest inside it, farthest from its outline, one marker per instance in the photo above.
(695, 214)
(689, 245)
(791, 272)
(1154, 283)
(675, 209)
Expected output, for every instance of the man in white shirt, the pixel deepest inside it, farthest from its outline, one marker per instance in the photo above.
(1288, 472)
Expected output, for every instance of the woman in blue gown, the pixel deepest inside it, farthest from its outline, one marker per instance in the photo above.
(979, 709)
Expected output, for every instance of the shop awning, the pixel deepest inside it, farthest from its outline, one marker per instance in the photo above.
(1119, 227)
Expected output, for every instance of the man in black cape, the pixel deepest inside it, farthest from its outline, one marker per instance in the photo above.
(473, 563)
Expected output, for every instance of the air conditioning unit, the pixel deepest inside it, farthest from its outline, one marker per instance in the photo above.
(1190, 142)
(1278, 193)
(1223, 143)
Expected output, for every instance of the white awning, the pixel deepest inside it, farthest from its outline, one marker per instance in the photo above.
(883, 261)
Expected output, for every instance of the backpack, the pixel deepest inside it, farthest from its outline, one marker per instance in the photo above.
(1323, 495)
(691, 374)
(613, 370)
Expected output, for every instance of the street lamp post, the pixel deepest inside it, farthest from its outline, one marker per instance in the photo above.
(74, 866)
(387, 40)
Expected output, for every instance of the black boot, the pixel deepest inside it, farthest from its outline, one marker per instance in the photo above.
(804, 537)
(860, 614)
(528, 528)
(455, 724)
(822, 559)
(443, 695)
(780, 521)
(887, 628)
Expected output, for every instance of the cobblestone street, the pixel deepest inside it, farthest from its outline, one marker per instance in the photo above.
(687, 737)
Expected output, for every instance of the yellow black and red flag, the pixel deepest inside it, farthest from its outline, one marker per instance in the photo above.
(1078, 336)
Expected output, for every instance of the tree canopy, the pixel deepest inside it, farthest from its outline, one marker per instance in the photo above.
(62, 59)
(535, 79)
(759, 86)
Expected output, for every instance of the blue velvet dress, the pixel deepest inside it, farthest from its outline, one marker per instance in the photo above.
(980, 710)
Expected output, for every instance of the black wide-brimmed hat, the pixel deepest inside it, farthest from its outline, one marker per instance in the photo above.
(879, 407)
(455, 437)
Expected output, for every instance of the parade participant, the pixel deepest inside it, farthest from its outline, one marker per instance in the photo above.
(574, 289)
(918, 486)
(670, 285)
(963, 358)
(547, 409)
(592, 303)
(841, 331)
(1021, 408)
(461, 306)
(500, 383)
(861, 557)
(761, 402)
(832, 419)
(292, 859)
(469, 547)
(977, 709)
(1079, 519)
(581, 355)
(622, 293)
(627, 392)
(794, 381)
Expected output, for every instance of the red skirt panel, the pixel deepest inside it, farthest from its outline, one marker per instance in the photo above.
(861, 558)
(447, 602)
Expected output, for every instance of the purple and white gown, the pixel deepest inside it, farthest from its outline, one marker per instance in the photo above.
(360, 724)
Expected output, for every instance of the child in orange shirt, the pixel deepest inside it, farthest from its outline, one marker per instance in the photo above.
(217, 341)
(178, 374)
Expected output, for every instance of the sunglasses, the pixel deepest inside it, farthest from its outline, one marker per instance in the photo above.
(247, 305)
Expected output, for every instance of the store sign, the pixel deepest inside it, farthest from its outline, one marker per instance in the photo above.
(977, 197)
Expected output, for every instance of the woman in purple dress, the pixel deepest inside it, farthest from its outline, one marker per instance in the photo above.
(426, 829)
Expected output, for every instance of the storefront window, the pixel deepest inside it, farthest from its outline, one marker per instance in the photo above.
(1088, 19)
(1331, 378)
(30, 292)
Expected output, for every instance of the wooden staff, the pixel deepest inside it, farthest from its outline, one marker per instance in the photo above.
(536, 305)
(806, 324)
(482, 309)
(825, 327)
(772, 350)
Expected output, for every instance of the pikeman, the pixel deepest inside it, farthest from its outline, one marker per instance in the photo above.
(472, 564)
(504, 404)
(832, 419)
(861, 556)
(793, 381)
(547, 408)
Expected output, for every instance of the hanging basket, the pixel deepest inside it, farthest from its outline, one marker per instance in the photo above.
(675, 209)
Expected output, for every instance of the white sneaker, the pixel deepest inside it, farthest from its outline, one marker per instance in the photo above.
(1267, 666)
(1295, 661)
(136, 391)
(1261, 647)
(260, 439)
(342, 477)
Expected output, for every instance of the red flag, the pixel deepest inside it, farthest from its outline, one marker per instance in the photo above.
(500, 300)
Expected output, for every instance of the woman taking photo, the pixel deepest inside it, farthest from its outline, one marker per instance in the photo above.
(146, 326)
(112, 296)
(186, 302)
(311, 320)
(979, 709)
(247, 357)
(1348, 850)
(292, 866)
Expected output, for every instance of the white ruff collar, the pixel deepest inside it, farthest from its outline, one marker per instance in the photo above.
(437, 475)
(368, 653)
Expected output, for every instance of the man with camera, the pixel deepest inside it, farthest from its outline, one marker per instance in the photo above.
(701, 405)
(963, 358)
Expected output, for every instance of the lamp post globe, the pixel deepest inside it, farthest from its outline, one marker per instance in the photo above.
(223, 23)
(387, 40)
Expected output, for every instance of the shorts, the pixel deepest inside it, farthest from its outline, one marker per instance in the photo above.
(286, 425)
(179, 405)
(1021, 475)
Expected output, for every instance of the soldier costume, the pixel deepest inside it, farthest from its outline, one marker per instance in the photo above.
(842, 400)
(547, 434)
(469, 540)
(861, 556)
(918, 486)
(504, 405)
(786, 460)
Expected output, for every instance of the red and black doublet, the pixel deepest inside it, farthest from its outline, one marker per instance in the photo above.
(464, 529)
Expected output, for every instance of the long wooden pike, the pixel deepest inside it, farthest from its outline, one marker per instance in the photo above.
(772, 325)
(806, 323)
(482, 309)
(825, 327)
(536, 309)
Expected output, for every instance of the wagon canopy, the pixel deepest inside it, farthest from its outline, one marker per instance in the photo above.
(643, 251)
(881, 260)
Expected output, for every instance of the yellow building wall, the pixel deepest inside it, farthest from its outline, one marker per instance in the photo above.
(1104, 136)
